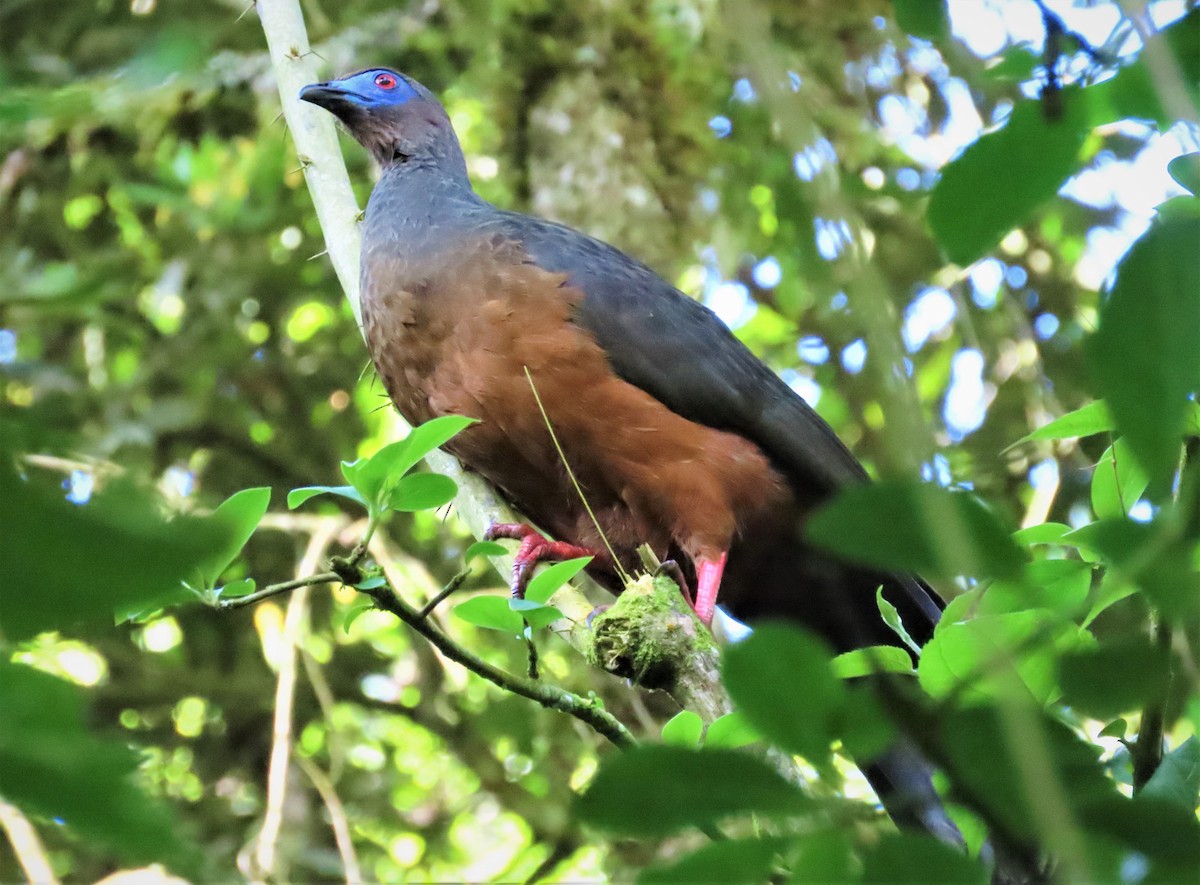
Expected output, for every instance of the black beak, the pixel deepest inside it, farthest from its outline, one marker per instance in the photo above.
(324, 95)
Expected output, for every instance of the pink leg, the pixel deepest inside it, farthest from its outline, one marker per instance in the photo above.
(708, 579)
(534, 548)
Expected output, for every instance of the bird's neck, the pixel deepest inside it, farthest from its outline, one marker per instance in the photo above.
(416, 197)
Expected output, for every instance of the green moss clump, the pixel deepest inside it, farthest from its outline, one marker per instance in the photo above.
(648, 635)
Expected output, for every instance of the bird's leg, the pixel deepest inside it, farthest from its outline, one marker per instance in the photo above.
(534, 548)
(708, 579)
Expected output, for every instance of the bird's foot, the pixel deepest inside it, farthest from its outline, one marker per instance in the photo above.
(708, 573)
(534, 548)
(671, 569)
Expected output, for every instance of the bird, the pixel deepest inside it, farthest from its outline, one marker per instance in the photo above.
(611, 409)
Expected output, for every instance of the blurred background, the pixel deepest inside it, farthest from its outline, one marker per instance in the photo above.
(167, 315)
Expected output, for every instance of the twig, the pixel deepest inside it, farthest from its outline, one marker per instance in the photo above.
(337, 819)
(451, 586)
(26, 845)
(326, 701)
(265, 851)
(532, 669)
(275, 590)
(548, 696)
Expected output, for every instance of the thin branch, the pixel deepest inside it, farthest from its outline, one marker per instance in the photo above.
(531, 669)
(276, 590)
(26, 845)
(326, 701)
(549, 696)
(337, 819)
(451, 586)
(266, 850)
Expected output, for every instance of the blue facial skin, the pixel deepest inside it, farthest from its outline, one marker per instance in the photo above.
(374, 88)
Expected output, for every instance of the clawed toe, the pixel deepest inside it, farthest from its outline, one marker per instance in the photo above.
(534, 548)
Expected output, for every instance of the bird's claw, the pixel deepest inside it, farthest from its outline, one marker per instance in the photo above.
(534, 548)
(671, 569)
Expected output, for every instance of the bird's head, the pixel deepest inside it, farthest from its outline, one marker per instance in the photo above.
(391, 115)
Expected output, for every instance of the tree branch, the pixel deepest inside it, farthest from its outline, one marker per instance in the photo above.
(275, 590)
(548, 696)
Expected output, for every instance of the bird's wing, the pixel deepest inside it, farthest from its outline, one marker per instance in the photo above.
(679, 352)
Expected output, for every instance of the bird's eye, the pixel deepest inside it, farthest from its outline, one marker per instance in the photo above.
(385, 81)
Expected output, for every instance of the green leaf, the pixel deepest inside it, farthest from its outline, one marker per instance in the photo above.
(875, 659)
(234, 589)
(1135, 92)
(483, 548)
(422, 491)
(927, 19)
(1085, 421)
(535, 614)
(1177, 779)
(653, 790)
(990, 656)
(903, 525)
(1151, 554)
(1179, 207)
(1060, 585)
(238, 517)
(781, 680)
(1118, 676)
(52, 767)
(1152, 826)
(546, 582)
(891, 617)
(492, 613)
(683, 729)
(377, 476)
(1045, 533)
(296, 497)
(865, 730)
(918, 859)
(735, 861)
(1015, 65)
(999, 181)
(731, 731)
(1144, 355)
(1185, 169)
(1112, 589)
(1117, 482)
(990, 753)
(354, 614)
(825, 857)
(66, 564)
(1115, 729)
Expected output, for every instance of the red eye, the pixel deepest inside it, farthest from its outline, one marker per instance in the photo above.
(385, 81)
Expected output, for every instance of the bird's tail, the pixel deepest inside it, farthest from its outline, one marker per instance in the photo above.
(903, 780)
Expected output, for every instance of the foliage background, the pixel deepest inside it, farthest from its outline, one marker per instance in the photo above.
(167, 321)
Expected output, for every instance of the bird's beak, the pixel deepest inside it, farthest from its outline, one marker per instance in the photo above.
(330, 95)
